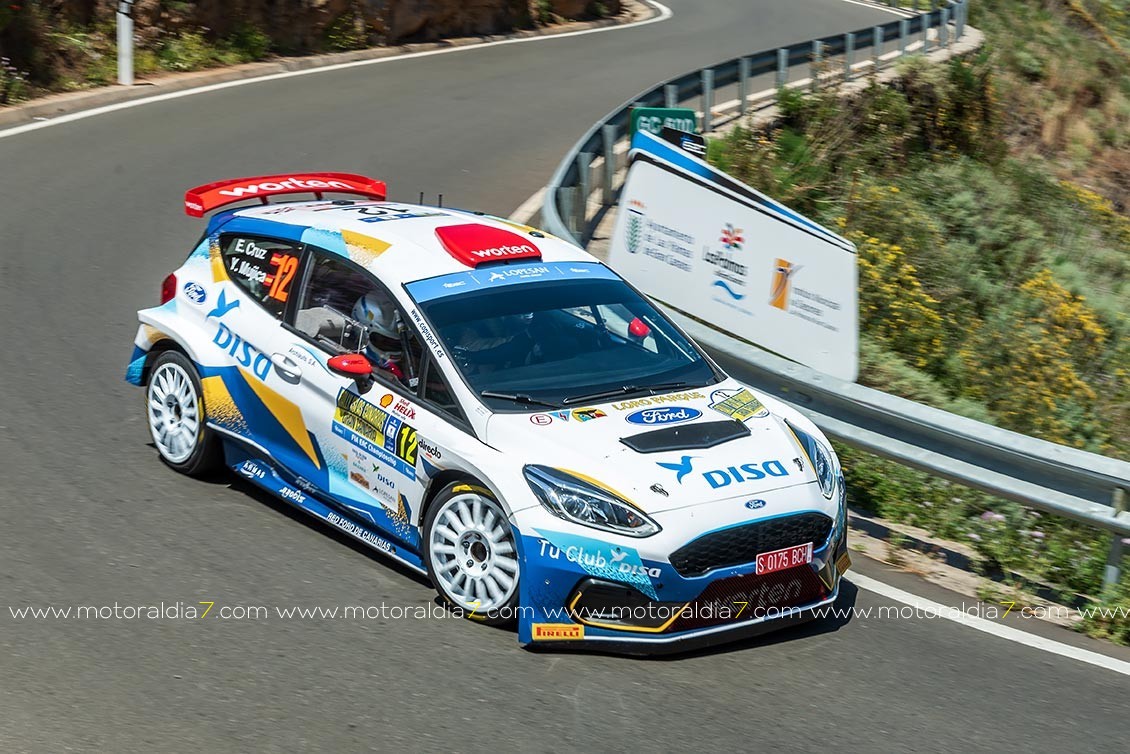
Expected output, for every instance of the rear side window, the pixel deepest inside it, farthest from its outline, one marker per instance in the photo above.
(263, 267)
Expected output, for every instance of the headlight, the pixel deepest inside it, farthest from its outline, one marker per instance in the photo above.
(822, 464)
(583, 503)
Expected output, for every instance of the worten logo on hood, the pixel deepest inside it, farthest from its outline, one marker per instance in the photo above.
(719, 478)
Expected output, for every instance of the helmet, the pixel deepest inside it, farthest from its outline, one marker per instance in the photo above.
(375, 311)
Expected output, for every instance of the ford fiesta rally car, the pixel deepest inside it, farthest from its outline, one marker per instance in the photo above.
(494, 408)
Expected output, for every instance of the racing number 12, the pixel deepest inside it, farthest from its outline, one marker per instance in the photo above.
(286, 266)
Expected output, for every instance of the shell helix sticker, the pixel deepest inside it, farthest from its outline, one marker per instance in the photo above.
(599, 559)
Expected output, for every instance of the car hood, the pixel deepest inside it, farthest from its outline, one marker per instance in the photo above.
(667, 451)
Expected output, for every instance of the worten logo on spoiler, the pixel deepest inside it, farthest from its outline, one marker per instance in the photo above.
(474, 244)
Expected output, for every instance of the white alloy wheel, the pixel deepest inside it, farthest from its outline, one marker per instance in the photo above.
(471, 554)
(174, 412)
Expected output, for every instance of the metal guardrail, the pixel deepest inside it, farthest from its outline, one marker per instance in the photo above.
(1083, 486)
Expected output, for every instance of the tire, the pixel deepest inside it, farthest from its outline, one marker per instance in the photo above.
(470, 553)
(175, 410)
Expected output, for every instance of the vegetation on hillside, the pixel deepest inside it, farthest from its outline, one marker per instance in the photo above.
(988, 200)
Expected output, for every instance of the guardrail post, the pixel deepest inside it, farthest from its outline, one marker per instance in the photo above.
(608, 136)
(707, 98)
(1114, 560)
(568, 196)
(904, 32)
(849, 54)
(944, 27)
(877, 46)
(959, 19)
(743, 84)
(584, 170)
(815, 64)
(125, 42)
(671, 95)
(926, 34)
(782, 67)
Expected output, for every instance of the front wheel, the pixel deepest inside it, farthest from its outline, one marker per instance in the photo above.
(175, 408)
(470, 554)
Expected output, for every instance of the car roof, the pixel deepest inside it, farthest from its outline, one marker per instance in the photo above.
(397, 242)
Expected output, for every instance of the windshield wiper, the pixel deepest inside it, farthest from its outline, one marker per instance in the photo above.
(617, 392)
(517, 398)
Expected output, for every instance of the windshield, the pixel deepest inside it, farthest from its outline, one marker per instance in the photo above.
(556, 334)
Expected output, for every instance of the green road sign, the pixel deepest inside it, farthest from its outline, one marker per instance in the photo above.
(653, 119)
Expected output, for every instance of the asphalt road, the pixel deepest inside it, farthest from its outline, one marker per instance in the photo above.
(90, 222)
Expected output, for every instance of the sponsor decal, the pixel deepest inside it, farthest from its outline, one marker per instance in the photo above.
(663, 415)
(747, 472)
(222, 306)
(375, 431)
(369, 213)
(252, 470)
(557, 631)
(755, 505)
(621, 560)
(588, 414)
(562, 415)
(386, 400)
(541, 419)
(405, 409)
(371, 477)
(304, 355)
(737, 404)
(429, 449)
(252, 189)
(361, 533)
(244, 353)
(658, 400)
(195, 292)
(429, 336)
(289, 493)
(681, 469)
(474, 243)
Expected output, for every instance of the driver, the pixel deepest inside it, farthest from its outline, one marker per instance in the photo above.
(377, 312)
(497, 343)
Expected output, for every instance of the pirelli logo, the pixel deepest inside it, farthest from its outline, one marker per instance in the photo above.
(558, 632)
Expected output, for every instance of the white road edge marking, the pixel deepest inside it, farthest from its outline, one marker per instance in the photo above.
(664, 14)
(988, 626)
(897, 11)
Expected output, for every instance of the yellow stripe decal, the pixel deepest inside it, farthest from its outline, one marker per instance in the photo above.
(286, 413)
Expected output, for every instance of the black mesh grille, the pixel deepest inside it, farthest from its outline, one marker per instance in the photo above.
(742, 544)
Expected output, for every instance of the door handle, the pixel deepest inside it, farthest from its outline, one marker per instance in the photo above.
(286, 368)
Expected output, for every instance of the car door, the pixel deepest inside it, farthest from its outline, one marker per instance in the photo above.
(247, 320)
(366, 430)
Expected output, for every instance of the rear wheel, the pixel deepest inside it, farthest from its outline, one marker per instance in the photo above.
(470, 553)
(175, 409)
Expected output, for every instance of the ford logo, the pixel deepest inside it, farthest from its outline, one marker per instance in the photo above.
(754, 505)
(665, 415)
(195, 292)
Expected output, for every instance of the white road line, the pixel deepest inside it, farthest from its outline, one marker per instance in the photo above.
(988, 626)
(664, 14)
(897, 11)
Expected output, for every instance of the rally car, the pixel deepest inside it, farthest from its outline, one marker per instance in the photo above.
(492, 407)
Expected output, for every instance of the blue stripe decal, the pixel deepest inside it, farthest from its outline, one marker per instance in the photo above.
(495, 276)
(258, 226)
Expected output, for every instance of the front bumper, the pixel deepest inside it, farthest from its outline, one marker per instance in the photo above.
(584, 593)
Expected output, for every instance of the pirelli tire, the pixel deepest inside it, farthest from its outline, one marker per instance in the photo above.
(471, 555)
(175, 410)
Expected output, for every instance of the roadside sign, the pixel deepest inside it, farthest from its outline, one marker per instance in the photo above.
(653, 119)
(688, 142)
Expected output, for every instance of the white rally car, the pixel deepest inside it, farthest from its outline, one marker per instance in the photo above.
(494, 408)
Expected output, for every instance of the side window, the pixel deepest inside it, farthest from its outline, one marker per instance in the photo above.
(437, 391)
(264, 268)
(343, 308)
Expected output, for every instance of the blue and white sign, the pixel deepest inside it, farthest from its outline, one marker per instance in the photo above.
(195, 292)
(664, 415)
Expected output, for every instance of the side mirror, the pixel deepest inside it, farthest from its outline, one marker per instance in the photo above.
(353, 365)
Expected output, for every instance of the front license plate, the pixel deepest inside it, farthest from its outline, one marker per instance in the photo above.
(779, 560)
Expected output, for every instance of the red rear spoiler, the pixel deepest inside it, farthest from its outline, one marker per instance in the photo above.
(210, 196)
